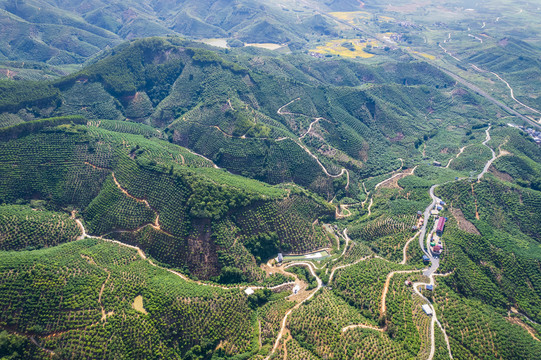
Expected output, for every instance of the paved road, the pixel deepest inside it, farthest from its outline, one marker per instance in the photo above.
(434, 262)
(487, 96)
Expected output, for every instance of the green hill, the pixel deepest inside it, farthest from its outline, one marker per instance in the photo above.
(123, 185)
(249, 113)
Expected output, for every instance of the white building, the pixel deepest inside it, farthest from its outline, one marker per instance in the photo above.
(427, 309)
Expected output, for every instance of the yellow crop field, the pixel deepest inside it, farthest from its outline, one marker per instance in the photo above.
(351, 16)
(425, 55)
(336, 47)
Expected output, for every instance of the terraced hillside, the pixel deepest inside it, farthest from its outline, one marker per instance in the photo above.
(153, 194)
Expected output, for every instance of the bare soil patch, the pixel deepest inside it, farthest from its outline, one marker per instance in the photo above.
(500, 175)
(138, 304)
(528, 328)
(463, 223)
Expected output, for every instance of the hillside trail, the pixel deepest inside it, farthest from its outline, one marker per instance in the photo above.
(311, 267)
(383, 306)
(33, 340)
(284, 320)
(435, 261)
(511, 90)
(281, 111)
(405, 250)
(494, 157)
(367, 193)
(156, 224)
(340, 214)
(430, 272)
(370, 206)
(457, 155)
(399, 174)
(434, 318)
(201, 156)
(143, 256)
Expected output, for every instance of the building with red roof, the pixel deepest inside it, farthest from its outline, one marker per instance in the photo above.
(441, 225)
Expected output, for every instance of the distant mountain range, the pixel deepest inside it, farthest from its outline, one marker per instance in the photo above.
(69, 32)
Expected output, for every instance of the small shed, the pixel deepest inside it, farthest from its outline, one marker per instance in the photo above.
(425, 258)
(442, 202)
(437, 163)
(296, 289)
(407, 282)
(430, 287)
(419, 213)
(249, 291)
(427, 309)
(280, 257)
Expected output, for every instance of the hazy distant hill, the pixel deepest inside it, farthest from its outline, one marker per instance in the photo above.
(69, 32)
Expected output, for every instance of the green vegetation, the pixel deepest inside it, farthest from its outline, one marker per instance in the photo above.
(362, 285)
(138, 192)
(190, 167)
(57, 292)
(16, 95)
(25, 228)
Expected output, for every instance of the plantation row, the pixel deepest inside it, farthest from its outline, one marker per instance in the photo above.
(317, 325)
(406, 322)
(382, 227)
(478, 331)
(112, 210)
(317, 328)
(123, 182)
(486, 272)
(270, 316)
(286, 222)
(362, 285)
(501, 207)
(267, 160)
(24, 228)
(56, 292)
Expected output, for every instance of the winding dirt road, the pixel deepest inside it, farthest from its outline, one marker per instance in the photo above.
(405, 250)
(457, 155)
(383, 305)
(487, 165)
(281, 111)
(284, 320)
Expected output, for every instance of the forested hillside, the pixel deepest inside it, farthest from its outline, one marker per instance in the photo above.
(263, 116)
